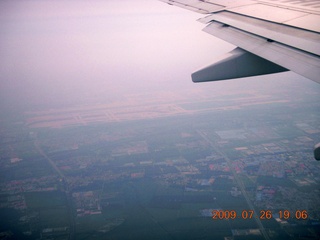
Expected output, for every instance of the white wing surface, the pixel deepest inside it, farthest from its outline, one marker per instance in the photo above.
(271, 35)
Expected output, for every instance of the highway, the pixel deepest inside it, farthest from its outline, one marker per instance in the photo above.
(65, 189)
(239, 182)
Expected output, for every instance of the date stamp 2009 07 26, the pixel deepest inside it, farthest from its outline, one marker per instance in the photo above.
(263, 214)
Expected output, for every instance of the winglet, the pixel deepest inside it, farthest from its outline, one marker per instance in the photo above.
(236, 64)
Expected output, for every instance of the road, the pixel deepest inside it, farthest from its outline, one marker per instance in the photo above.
(65, 188)
(239, 182)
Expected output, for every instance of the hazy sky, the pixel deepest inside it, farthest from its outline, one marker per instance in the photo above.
(62, 52)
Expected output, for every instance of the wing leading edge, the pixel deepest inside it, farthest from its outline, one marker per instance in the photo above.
(272, 36)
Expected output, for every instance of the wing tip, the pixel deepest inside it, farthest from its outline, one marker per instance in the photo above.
(236, 64)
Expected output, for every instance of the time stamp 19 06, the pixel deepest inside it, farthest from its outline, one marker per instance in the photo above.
(262, 214)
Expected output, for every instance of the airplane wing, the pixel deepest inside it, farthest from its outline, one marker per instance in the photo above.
(271, 35)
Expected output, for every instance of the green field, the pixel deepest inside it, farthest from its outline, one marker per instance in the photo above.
(51, 208)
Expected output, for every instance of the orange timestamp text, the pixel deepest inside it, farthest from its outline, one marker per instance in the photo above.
(262, 215)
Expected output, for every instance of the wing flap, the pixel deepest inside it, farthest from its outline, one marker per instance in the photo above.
(305, 40)
(299, 61)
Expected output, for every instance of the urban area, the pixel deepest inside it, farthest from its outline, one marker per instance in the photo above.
(226, 167)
